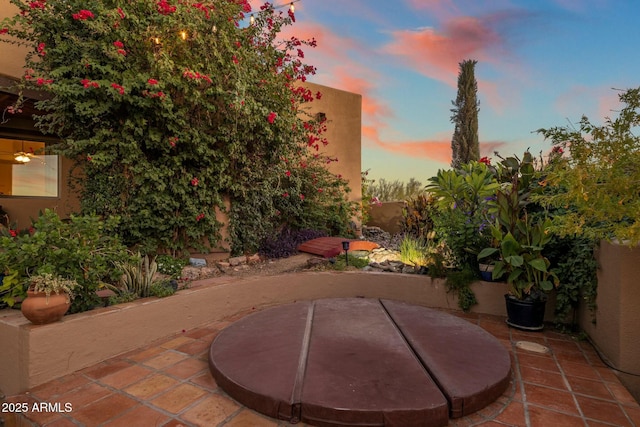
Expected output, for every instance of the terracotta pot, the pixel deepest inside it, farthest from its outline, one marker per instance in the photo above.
(40, 309)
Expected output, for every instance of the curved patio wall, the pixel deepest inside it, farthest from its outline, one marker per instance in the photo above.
(39, 353)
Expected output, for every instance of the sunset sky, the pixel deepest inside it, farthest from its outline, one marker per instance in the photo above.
(541, 63)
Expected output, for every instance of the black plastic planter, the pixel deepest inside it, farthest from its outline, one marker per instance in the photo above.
(525, 315)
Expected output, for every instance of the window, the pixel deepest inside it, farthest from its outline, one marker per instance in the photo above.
(25, 169)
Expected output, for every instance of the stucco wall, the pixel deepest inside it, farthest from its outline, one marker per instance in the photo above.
(616, 332)
(387, 216)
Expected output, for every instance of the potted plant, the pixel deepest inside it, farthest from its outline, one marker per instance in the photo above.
(519, 238)
(48, 298)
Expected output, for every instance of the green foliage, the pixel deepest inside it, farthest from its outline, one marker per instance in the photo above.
(463, 198)
(415, 251)
(368, 197)
(577, 271)
(48, 283)
(161, 289)
(340, 263)
(391, 191)
(83, 248)
(600, 177)
(166, 128)
(171, 266)
(458, 282)
(417, 216)
(11, 287)
(519, 238)
(138, 277)
(464, 144)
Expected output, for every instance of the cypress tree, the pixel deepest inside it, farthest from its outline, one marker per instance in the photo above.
(464, 144)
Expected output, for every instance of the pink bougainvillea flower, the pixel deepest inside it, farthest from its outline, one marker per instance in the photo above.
(285, 194)
(41, 50)
(302, 197)
(199, 217)
(39, 4)
(40, 81)
(152, 82)
(118, 44)
(288, 173)
(164, 8)
(13, 233)
(318, 95)
(292, 15)
(486, 160)
(173, 140)
(83, 15)
(89, 158)
(122, 52)
(4, 30)
(194, 181)
(272, 117)
(234, 59)
(121, 13)
(557, 150)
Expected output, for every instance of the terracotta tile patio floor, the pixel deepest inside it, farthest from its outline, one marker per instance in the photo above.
(169, 384)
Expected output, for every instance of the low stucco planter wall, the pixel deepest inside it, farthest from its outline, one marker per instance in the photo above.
(35, 354)
(616, 333)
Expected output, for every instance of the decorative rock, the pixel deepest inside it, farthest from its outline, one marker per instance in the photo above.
(197, 262)
(253, 259)
(191, 273)
(223, 266)
(206, 272)
(235, 261)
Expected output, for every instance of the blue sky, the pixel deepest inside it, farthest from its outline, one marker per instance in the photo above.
(541, 63)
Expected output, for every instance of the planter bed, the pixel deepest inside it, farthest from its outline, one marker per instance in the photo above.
(36, 354)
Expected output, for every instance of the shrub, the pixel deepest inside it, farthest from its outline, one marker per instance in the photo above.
(84, 249)
(286, 242)
(171, 266)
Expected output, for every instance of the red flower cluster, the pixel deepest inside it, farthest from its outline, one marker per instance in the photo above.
(117, 87)
(199, 217)
(292, 16)
(557, 150)
(194, 181)
(288, 173)
(165, 8)
(38, 4)
(4, 31)
(203, 8)
(121, 13)
(41, 50)
(194, 75)
(83, 15)
(301, 196)
(486, 160)
(173, 140)
(40, 81)
(88, 83)
(234, 59)
(118, 44)
(272, 117)
(152, 82)
(159, 94)
(246, 7)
